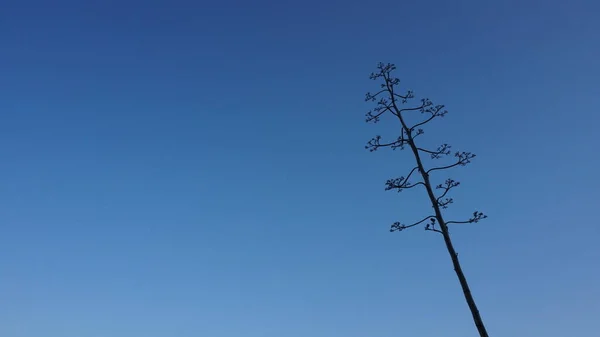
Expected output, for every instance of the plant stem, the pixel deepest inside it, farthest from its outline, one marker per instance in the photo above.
(444, 229)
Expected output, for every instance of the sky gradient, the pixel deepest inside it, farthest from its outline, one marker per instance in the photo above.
(194, 168)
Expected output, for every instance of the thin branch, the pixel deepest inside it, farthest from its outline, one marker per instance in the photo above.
(389, 85)
(383, 69)
(382, 107)
(397, 226)
(434, 230)
(417, 134)
(393, 81)
(371, 97)
(427, 151)
(442, 150)
(406, 97)
(431, 227)
(477, 216)
(434, 111)
(373, 117)
(463, 159)
(411, 172)
(402, 183)
(444, 203)
(448, 185)
(424, 122)
(410, 109)
(375, 143)
(443, 167)
(415, 184)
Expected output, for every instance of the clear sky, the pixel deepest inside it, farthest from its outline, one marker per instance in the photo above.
(194, 168)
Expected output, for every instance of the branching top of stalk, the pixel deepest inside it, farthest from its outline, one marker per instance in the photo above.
(389, 99)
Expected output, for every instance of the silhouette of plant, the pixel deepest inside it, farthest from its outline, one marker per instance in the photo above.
(390, 100)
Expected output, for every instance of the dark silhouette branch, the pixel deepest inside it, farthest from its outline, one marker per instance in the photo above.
(447, 186)
(418, 133)
(431, 227)
(463, 158)
(373, 117)
(398, 227)
(383, 105)
(477, 216)
(371, 97)
(442, 150)
(375, 114)
(418, 108)
(375, 143)
(444, 203)
(406, 97)
(434, 230)
(423, 122)
(411, 172)
(402, 183)
(434, 111)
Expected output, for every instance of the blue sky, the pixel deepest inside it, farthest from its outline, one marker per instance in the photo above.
(191, 168)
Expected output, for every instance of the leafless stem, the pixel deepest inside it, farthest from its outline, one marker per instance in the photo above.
(375, 143)
(397, 226)
(434, 230)
(431, 226)
(447, 186)
(375, 114)
(411, 109)
(442, 150)
(435, 111)
(463, 158)
(402, 183)
(477, 216)
(405, 97)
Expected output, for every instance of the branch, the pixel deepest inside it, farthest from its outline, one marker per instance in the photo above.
(477, 216)
(444, 203)
(419, 132)
(390, 83)
(434, 230)
(442, 150)
(371, 97)
(397, 226)
(431, 227)
(411, 172)
(423, 107)
(383, 70)
(375, 143)
(397, 183)
(409, 94)
(463, 159)
(424, 122)
(402, 183)
(434, 111)
(447, 186)
(383, 106)
(411, 109)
